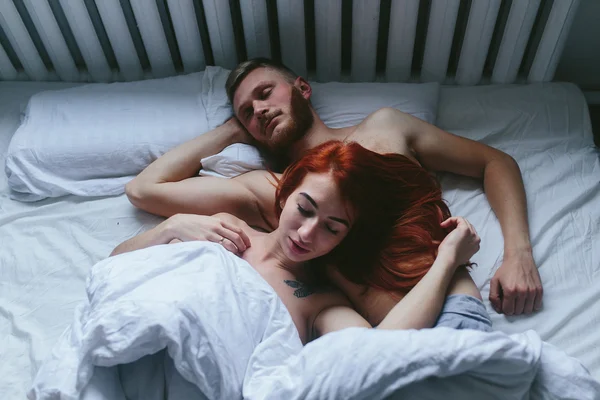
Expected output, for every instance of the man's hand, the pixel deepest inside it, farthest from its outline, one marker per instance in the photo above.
(190, 227)
(241, 134)
(516, 287)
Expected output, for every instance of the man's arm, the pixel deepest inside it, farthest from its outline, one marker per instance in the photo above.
(170, 184)
(218, 228)
(516, 286)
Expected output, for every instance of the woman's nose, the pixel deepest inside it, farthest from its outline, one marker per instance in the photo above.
(307, 231)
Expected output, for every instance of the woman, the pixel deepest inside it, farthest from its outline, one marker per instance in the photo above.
(344, 210)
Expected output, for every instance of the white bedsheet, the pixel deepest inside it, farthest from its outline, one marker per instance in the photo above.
(230, 335)
(47, 248)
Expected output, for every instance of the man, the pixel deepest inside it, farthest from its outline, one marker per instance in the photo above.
(272, 110)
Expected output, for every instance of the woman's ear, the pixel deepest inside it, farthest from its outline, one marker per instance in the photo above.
(303, 86)
(281, 204)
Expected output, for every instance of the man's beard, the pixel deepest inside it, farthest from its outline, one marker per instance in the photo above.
(296, 127)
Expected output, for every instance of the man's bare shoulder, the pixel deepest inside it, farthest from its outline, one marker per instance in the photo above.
(384, 131)
(386, 116)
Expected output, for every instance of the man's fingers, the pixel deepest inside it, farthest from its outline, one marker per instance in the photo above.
(539, 293)
(495, 295)
(529, 302)
(520, 299)
(233, 237)
(508, 302)
(239, 231)
(230, 246)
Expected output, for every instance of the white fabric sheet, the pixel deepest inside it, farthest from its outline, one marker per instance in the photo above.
(47, 248)
(230, 335)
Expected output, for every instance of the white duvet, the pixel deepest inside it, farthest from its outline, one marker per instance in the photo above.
(227, 335)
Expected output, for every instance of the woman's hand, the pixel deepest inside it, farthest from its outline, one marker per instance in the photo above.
(190, 227)
(461, 243)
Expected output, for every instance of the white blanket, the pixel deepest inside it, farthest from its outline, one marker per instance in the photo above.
(227, 335)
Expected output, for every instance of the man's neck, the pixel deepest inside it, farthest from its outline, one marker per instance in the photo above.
(318, 134)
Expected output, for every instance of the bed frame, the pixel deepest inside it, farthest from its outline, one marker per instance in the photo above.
(462, 42)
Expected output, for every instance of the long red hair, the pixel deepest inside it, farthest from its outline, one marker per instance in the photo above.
(399, 209)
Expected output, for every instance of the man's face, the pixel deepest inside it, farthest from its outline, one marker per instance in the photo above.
(273, 110)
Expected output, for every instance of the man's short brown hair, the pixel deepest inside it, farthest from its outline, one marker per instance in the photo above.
(238, 74)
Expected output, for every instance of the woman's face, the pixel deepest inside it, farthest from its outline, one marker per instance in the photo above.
(314, 219)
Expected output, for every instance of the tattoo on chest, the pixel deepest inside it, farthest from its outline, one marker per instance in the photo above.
(302, 289)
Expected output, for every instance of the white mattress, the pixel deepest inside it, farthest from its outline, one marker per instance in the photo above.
(48, 247)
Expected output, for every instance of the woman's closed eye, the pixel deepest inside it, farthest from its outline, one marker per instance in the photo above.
(331, 230)
(304, 212)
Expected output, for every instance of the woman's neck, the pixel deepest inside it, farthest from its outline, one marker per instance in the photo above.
(271, 254)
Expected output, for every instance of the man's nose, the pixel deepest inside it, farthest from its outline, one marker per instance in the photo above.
(260, 109)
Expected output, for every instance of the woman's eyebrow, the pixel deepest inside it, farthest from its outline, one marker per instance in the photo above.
(314, 203)
(341, 221)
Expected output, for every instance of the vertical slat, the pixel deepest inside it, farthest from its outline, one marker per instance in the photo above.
(365, 26)
(220, 30)
(153, 35)
(290, 17)
(440, 32)
(185, 25)
(514, 40)
(54, 42)
(401, 39)
(553, 40)
(478, 35)
(19, 38)
(7, 70)
(256, 28)
(120, 39)
(328, 35)
(87, 40)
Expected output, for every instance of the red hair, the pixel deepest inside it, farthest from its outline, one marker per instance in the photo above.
(399, 209)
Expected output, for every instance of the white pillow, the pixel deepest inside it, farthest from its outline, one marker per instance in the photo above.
(91, 140)
(345, 104)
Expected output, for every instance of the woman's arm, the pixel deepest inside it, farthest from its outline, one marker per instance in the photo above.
(421, 307)
(189, 227)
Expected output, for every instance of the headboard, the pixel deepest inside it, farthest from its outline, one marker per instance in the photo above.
(463, 42)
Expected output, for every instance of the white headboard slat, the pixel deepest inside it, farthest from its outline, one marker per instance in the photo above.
(256, 28)
(480, 28)
(401, 40)
(153, 35)
(220, 29)
(514, 41)
(19, 38)
(54, 42)
(328, 40)
(7, 71)
(553, 40)
(87, 40)
(292, 35)
(440, 32)
(365, 25)
(187, 34)
(120, 39)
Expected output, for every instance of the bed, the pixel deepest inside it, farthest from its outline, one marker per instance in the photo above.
(49, 246)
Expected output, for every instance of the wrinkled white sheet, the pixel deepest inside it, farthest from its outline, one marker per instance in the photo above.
(229, 334)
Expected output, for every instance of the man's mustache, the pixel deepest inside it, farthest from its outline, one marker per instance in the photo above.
(267, 120)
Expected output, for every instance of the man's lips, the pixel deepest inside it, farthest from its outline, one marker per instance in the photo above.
(270, 125)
